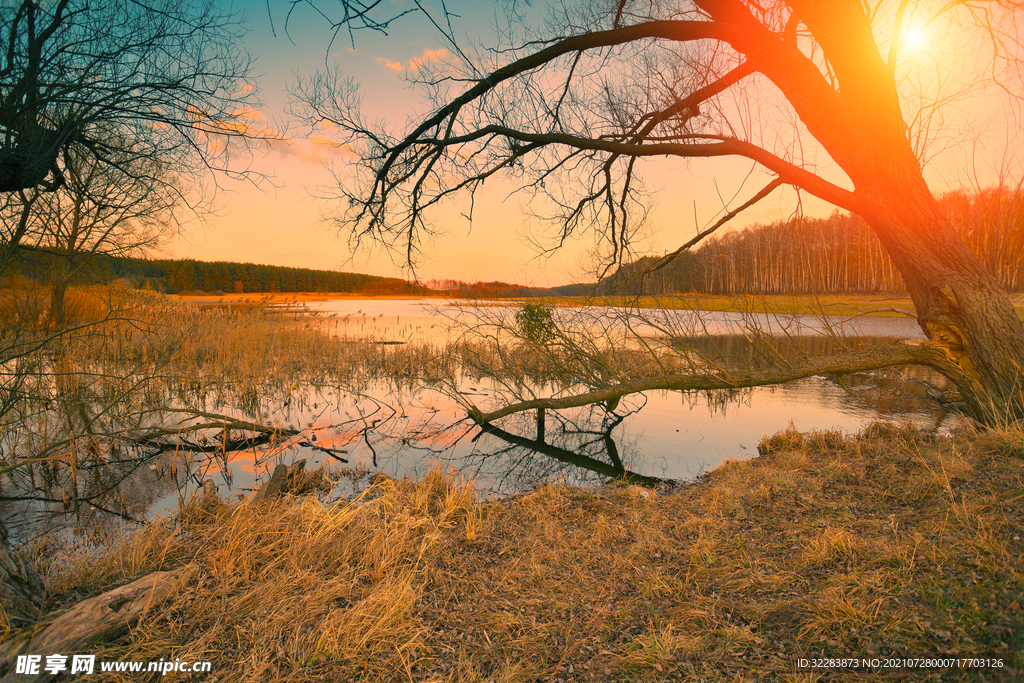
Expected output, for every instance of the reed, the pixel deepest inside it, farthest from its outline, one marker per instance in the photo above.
(888, 542)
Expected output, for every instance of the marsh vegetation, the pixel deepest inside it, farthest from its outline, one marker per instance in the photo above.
(827, 540)
(160, 394)
(134, 427)
(884, 543)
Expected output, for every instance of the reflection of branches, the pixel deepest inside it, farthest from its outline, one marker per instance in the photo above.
(91, 500)
(614, 470)
(599, 354)
(603, 443)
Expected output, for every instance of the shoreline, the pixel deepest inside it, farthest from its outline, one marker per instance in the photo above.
(843, 305)
(889, 544)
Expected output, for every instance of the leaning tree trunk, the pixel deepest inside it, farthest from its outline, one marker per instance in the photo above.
(859, 121)
(960, 306)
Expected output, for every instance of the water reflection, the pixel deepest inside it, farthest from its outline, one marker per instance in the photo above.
(405, 430)
(652, 438)
(436, 320)
(604, 463)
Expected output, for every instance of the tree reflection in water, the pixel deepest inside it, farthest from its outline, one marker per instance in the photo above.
(577, 448)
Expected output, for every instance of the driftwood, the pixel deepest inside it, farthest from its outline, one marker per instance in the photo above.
(103, 617)
(283, 479)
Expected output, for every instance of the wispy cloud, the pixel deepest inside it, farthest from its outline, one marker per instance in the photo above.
(416, 64)
(252, 124)
(388, 64)
(428, 57)
(315, 149)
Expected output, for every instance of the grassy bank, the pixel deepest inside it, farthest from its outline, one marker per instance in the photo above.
(892, 542)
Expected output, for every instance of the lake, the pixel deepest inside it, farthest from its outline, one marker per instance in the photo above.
(405, 431)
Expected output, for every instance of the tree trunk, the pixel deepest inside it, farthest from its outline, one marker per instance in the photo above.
(58, 288)
(960, 306)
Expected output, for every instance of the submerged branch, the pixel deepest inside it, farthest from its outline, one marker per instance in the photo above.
(222, 421)
(904, 353)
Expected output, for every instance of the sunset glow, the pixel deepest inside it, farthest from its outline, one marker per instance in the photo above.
(278, 215)
(915, 40)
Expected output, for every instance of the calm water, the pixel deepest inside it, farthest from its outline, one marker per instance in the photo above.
(403, 433)
(664, 435)
(433, 319)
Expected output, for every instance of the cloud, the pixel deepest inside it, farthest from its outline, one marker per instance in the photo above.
(318, 142)
(429, 56)
(388, 64)
(416, 64)
(249, 114)
(316, 149)
(223, 135)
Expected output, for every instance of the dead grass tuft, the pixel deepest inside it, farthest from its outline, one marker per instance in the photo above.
(886, 543)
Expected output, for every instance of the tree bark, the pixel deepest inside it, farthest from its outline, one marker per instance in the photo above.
(859, 122)
(960, 306)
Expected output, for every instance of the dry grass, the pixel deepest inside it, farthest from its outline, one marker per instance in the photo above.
(892, 542)
(248, 347)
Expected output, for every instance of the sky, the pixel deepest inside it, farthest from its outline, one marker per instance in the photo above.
(277, 217)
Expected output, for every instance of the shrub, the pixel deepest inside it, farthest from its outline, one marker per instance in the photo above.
(536, 323)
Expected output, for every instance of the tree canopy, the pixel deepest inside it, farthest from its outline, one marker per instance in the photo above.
(117, 80)
(572, 114)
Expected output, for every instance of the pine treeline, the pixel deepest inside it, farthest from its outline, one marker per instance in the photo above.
(186, 275)
(176, 276)
(828, 255)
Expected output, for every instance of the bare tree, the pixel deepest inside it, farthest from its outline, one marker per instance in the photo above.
(148, 91)
(165, 75)
(100, 209)
(575, 113)
(131, 98)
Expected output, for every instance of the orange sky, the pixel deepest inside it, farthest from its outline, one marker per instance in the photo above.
(280, 221)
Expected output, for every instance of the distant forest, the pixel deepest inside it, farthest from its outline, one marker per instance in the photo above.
(801, 256)
(175, 276)
(828, 255)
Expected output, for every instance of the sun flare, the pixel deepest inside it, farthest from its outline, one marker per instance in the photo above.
(915, 40)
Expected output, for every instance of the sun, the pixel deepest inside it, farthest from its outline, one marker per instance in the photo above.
(915, 40)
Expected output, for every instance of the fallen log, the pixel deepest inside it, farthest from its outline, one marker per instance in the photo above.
(103, 617)
(21, 588)
(904, 353)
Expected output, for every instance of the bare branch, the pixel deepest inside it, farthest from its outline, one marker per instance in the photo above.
(840, 364)
(765, 191)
